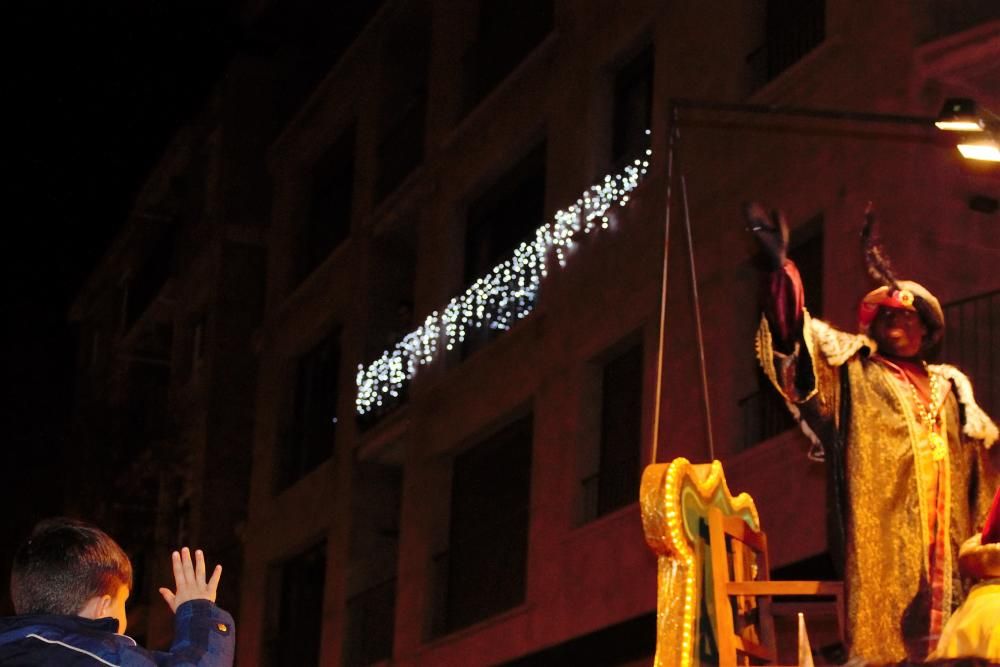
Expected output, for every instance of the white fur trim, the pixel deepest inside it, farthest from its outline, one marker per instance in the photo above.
(978, 424)
(838, 346)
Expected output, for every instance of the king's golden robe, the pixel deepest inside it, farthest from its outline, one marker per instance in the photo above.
(887, 538)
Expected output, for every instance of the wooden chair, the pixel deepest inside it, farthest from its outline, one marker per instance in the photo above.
(741, 592)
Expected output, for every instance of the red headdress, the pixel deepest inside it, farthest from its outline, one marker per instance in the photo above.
(979, 556)
(894, 293)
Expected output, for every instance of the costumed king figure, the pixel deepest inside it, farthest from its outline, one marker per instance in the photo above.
(905, 444)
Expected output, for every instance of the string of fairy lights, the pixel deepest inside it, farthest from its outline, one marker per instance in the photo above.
(501, 297)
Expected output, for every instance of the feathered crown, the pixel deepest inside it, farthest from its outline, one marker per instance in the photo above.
(894, 293)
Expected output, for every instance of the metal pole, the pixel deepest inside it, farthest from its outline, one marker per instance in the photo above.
(671, 134)
(697, 321)
(804, 112)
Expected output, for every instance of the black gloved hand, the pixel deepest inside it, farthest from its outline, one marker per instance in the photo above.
(771, 233)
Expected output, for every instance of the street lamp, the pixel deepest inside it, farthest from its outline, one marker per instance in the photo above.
(978, 125)
(984, 148)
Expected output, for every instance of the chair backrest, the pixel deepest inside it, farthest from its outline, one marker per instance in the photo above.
(744, 626)
(714, 595)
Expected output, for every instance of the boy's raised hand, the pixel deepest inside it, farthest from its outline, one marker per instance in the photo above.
(190, 579)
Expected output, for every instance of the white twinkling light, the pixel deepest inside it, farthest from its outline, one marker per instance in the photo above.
(501, 297)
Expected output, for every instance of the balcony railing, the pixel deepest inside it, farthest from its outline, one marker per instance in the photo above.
(972, 343)
(765, 415)
(608, 490)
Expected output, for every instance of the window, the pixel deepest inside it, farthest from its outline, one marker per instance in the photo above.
(197, 343)
(501, 219)
(376, 496)
(401, 138)
(792, 28)
(371, 624)
(633, 108)
(146, 414)
(304, 40)
(805, 248)
(614, 483)
(149, 278)
(191, 357)
(946, 17)
(294, 609)
(483, 571)
(507, 31)
(328, 220)
(309, 436)
(390, 283)
(96, 351)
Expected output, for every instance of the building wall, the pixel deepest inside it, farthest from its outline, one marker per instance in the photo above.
(379, 504)
(165, 463)
(581, 578)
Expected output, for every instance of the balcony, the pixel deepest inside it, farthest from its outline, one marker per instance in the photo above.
(972, 343)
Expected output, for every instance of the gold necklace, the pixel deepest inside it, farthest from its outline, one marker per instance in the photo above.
(928, 414)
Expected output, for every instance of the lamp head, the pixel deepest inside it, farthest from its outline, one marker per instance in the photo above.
(983, 148)
(960, 114)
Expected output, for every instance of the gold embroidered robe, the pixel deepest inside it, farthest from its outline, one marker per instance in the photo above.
(887, 536)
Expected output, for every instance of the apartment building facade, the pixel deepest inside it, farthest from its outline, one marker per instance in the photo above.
(486, 513)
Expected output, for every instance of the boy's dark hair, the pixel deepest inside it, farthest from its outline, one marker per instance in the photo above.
(63, 564)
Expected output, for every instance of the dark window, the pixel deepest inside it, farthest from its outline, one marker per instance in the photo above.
(505, 215)
(806, 250)
(941, 18)
(328, 220)
(192, 355)
(294, 609)
(483, 571)
(145, 416)
(792, 28)
(633, 108)
(96, 350)
(198, 343)
(309, 435)
(630, 642)
(302, 40)
(972, 342)
(391, 316)
(615, 483)
(148, 280)
(376, 495)
(402, 145)
(371, 624)
(401, 133)
(507, 31)
(501, 219)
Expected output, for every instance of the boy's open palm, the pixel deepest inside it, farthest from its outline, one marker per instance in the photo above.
(189, 578)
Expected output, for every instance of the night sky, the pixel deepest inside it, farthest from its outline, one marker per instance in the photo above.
(92, 92)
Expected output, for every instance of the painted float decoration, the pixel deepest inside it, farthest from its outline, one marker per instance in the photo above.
(675, 499)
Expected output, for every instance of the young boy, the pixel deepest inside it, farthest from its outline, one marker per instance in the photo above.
(69, 583)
